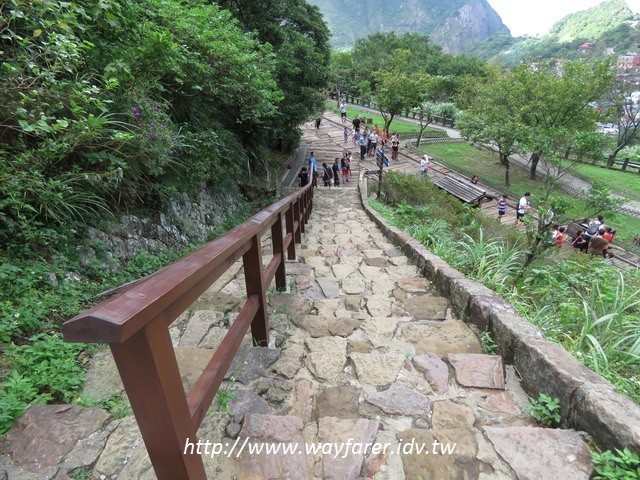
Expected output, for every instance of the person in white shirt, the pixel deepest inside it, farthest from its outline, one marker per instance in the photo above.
(343, 111)
(424, 164)
(524, 205)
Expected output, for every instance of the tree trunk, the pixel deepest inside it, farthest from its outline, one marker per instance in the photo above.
(504, 159)
(535, 158)
(387, 122)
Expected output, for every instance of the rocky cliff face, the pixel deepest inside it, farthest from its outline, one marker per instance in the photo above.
(184, 221)
(456, 25)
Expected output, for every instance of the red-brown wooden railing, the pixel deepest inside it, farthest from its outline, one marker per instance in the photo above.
(135, 324)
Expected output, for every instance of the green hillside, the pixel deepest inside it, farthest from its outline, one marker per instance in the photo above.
(592, 23)
(608, 26)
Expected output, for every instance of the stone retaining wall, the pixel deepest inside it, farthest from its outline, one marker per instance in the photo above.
(588, 401)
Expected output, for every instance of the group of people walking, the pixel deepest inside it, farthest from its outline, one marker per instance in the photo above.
(371, 141)
(330, 174)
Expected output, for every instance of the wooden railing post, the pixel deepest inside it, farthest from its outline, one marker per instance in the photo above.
(254, 281)
(150, 374)
(289, 219)
(277, 241)
(301, 216)
(297, 236)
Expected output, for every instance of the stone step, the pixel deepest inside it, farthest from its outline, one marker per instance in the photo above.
(366, 354)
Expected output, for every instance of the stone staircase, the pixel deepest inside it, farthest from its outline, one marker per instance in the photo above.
(363, 353)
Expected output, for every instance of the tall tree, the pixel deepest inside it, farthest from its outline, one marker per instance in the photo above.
(399, 90)
(300, 40)
(624, 112)
(558, 107)
(492, 114)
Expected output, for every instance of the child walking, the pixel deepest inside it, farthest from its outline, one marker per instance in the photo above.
(502, 206)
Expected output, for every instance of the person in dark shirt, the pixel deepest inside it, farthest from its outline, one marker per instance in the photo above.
(303, 177)
(356, 123)
(336, 172)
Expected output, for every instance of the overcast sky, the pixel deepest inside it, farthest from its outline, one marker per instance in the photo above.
(536, 17)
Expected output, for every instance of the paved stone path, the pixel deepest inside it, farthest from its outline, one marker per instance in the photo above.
(363, 353)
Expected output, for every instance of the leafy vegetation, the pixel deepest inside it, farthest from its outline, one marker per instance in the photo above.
(607, 25)
(545, 410)
(470, 160)
(412, 56)
(618, 465)
(114, 107)
(43, 370)
(597, 320)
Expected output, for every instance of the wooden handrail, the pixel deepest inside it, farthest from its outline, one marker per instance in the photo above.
(135, 323)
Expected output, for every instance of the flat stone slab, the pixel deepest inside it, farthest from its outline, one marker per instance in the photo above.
(290, 361)
(503, 402)
(45, 434)
(375, 262)
(342, 402)
(103, 378)
(426, 307)
(197, 327)
(400, 400)
(124, 455)
(252, 363)
(298, 305)
(380, 330)
(273, 429)
(339, 431)
(478, 370)
(414, 284)
(542, 453)
(218, 301)
(298, 268)
(191, 362)
(379, 306)
(246, 401)
(353, 284)
(441, 338)
(342, 270)
(378, 369)
(441, 463)
(435, 371)
(326, 365)
(322, 326)
(302, 403)
(330, 287)
(327, 344)
(447, 415)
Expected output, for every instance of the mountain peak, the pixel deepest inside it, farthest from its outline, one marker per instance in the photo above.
(456, 25)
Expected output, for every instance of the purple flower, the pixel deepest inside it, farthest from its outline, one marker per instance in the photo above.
(154, 108)
(151, 134)
(136, 112)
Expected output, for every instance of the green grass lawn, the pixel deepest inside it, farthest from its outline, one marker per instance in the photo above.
(470, 160)
(401, 127)
(624, 183)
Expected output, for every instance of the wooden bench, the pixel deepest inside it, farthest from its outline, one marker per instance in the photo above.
(576, 227)
(462, 189)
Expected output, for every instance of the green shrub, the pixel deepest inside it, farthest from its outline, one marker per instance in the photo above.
(545, 410)
(46, 369)
(621, 465)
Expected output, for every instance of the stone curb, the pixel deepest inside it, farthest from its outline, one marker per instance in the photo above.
(588, 401)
